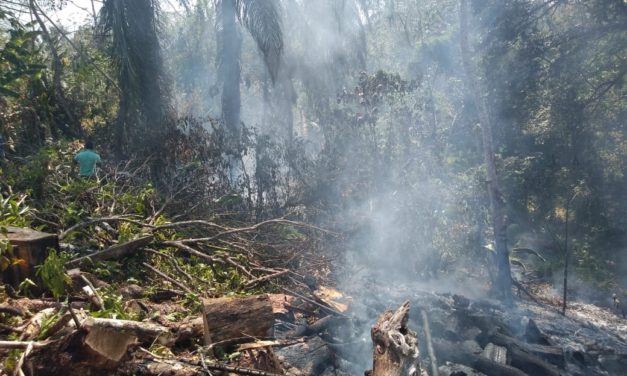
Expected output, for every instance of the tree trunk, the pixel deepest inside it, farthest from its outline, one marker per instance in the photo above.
(395, 346)
(226, 318)
(497, 205)
(229, 48)
(57, 68)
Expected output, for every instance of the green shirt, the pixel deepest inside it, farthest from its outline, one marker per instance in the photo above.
(87, 161)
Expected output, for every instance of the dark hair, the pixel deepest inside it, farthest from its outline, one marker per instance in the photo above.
(89, 145)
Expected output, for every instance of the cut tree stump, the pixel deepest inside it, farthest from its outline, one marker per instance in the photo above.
(230, 317)
(395, 346)
(31, 247)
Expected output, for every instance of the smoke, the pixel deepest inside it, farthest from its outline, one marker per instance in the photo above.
(369, 123)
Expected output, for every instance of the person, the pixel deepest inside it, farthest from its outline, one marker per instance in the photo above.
(87, 159)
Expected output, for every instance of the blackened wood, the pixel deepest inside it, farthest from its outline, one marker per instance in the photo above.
(454, 353)
(551, 354)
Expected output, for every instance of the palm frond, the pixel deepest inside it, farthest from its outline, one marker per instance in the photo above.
(262, 20)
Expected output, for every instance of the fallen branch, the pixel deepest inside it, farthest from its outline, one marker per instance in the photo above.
(146, 332)
(115, 252)
(157, 365)
(175, 265)
(100, 220)
(23, 344)
(96, 299)
(432, 357)
(251, 228)
(190, 222)
(523, 289)
(265, 278)
(10, 328)
(168, 278)
(11, 310)
(18, 367)
(191, 251)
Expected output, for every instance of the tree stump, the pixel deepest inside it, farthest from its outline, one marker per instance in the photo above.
(31, 247)
(395, 346)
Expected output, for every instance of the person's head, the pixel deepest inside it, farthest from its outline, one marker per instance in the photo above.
(89, 145)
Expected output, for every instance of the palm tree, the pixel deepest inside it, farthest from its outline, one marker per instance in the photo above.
(261, 19)
(134, 47)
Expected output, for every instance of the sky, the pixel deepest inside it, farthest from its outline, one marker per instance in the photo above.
(75, 13)
(79, 12)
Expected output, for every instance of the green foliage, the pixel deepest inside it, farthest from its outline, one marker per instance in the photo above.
(113, 306)
(6, 253)
(193, 303)
(46, 323)
(25, 286)
(18, 57)
(52, 272)
(11, 360)
(14, 211)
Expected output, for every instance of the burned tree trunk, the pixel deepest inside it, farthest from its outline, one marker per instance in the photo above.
(395, 346)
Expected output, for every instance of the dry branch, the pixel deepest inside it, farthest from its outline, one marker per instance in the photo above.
(266, 278)
(168, 278)
(22, 344)
(101, 220)
(251, 228)
(11, 310)
(115, 252)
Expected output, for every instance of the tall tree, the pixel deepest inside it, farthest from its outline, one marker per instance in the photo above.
(136, 52)
(497, 204)
(72, 127)
(261, 19)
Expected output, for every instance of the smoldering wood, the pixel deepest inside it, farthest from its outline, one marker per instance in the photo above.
(552, 354)
(495, 353)
(454, 353)
(532, 364)
(231, 317)
(395, 345)
(316, 327)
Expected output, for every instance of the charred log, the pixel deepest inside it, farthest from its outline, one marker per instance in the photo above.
(395, 346)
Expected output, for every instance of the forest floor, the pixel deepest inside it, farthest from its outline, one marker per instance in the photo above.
(133, 290)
